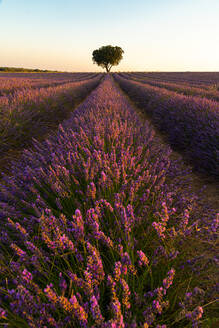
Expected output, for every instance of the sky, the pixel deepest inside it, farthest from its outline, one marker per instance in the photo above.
(156, 35)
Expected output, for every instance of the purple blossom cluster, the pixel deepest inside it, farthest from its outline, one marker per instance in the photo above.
(93, 232)
(190, 123)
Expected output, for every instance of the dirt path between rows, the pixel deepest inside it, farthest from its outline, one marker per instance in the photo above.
(200, 183)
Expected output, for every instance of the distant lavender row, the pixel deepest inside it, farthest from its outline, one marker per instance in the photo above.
(185, 89)
(191, 123)
(44, 75)
(21, 95)
(156, 78)
(28, 112)
(96, 237)
(202, 79)
(12, 82)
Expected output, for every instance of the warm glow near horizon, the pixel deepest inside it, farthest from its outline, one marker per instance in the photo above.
(163, 35)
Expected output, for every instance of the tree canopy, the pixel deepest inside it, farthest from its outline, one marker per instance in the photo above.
(107, 56)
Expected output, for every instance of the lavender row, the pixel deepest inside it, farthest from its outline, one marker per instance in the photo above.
(191, 123)
(32, 90)
(30, 112)
(12, 82)
(185, 89)
(52, 76)
(157, 78)
(93, 235)
(11, 89)
(201, 79)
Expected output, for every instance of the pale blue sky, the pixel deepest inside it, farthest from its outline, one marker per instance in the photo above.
(156, 35)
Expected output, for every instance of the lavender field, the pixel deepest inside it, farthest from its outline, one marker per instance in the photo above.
(101, 225)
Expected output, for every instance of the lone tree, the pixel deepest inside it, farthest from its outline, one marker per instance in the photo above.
(107, 56)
